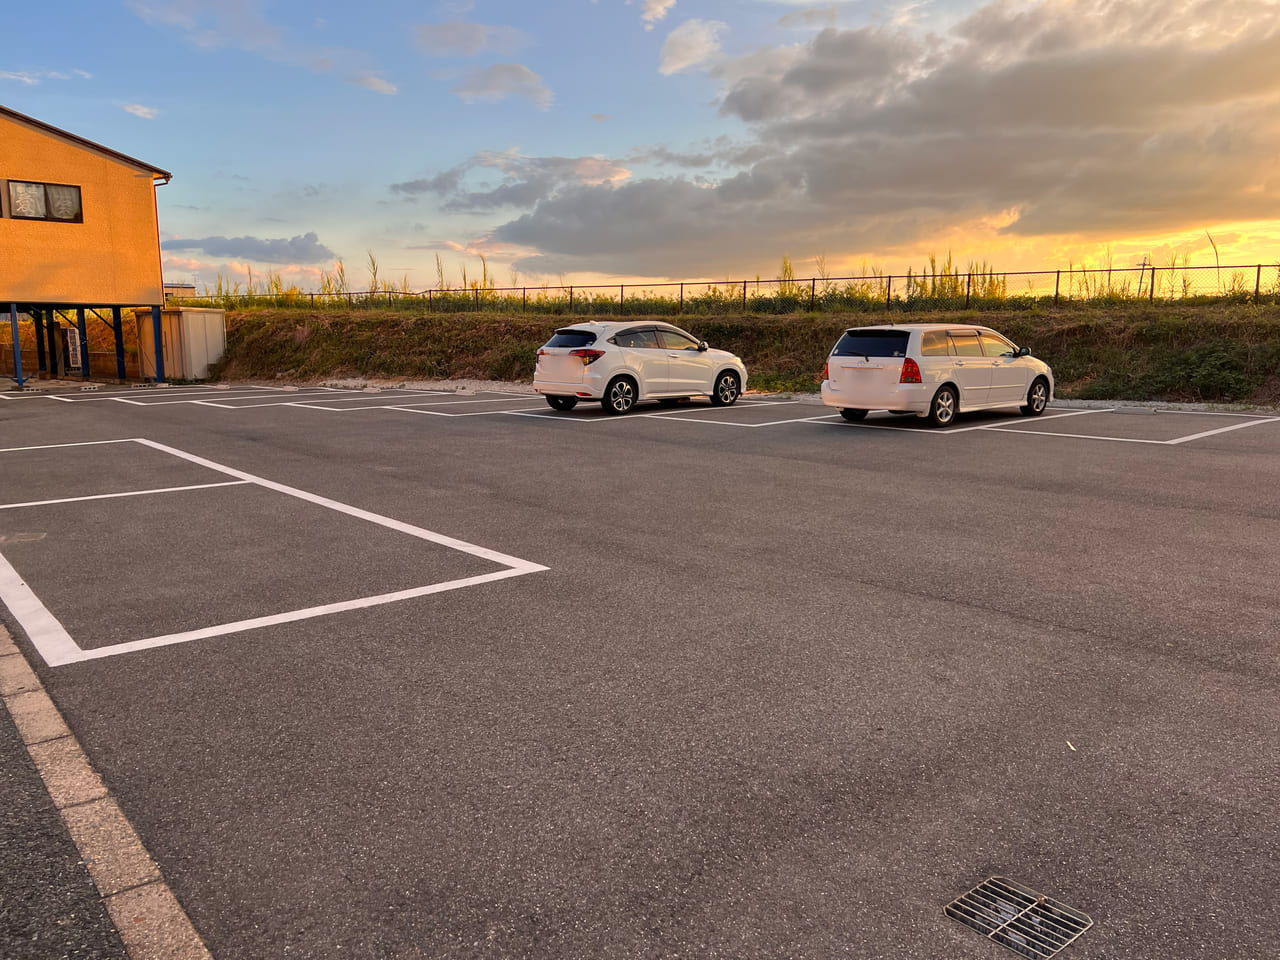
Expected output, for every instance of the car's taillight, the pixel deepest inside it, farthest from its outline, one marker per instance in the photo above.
(910, 371)
(826, 370)
(588, 356)
(541, 352)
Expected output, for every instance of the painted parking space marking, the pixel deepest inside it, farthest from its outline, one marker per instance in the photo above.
(380, 403)
(1167, 429)
(57, 647)
(926, 430)
(1234, 426)
(126, 493)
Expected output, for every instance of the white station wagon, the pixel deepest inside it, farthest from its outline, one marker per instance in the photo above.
(621, 363)
(932, 370)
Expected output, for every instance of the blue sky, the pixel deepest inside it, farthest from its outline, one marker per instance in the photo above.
(588, 140)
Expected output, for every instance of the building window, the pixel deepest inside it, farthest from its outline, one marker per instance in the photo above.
(45, 201)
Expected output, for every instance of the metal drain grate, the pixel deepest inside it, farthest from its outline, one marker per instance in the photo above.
(1028, 923)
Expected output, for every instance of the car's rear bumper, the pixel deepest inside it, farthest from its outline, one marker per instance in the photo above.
(590, 387)
(899, 396)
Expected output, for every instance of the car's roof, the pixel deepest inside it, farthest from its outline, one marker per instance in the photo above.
(921, 326)
(600, 327)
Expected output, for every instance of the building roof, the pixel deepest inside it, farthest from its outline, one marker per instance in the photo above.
(156, 172)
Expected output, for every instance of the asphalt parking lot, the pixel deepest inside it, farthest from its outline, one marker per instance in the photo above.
(418, 673)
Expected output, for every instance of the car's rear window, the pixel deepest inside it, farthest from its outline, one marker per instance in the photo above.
(872, 343)
(571, 338)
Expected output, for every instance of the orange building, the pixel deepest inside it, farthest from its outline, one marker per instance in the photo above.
(79, 236)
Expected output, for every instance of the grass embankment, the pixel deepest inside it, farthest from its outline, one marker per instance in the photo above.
(1218, 353)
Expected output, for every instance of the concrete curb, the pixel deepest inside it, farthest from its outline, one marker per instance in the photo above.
(146, 914)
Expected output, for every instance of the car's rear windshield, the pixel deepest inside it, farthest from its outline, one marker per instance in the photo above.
(872, 343)
(571, 338)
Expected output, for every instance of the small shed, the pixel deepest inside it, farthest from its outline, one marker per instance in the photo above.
(192, 339)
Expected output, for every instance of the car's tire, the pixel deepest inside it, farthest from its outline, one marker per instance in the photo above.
(562, 403)
(852, 415)
(1037, 398)
(619, 397)
(726, 390)
(944, 406)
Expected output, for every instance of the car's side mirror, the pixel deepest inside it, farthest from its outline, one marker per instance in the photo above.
(1023, 352)
(702, 345)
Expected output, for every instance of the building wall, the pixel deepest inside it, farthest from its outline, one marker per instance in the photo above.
(112, 258)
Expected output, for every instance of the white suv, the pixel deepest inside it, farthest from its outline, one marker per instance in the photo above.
(932, 370)
(622, 363)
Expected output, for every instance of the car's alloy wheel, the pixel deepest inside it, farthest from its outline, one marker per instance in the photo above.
(620, 396)
(853, 415)
(726, 390)
(562, 403)
(1037, 398)
(942, 411)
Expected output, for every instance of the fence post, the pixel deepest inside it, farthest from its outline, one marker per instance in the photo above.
(622, 297)
(1057, 283)
(744, 296)
(313, 300)
(428, 301)
(888, 291)
(1257, 284)
(681, 310)
(571, 299)
(813, 289)
(476, 291)
(968, 290)
(1151, 294)
(524, 299)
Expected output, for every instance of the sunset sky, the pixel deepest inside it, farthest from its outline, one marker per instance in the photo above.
(588, 140)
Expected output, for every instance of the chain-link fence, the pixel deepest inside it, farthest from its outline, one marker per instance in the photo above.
(948, 290)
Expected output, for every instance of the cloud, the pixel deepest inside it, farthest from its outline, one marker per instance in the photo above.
(1020, 120)
(655, 10)
(300, 249)
(503, 80)
(808, 19)
(376, 84)
(690, 44)
(458, 38)
(242, 25)
(525, 181)
(213, 23)
(31, 78)
(146, 113)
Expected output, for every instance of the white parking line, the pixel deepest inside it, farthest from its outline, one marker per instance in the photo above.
(59, 446)
(1072, 436)
(127, 493)
(221, 401)
(1234, 426)
(57, 647)
(445, 413)
(951, 431)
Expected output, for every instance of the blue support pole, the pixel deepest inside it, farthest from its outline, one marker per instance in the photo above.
(51, 327)
(37, 317)
(84, 343)
(118, 329)
(17, 347)
(159, 341)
